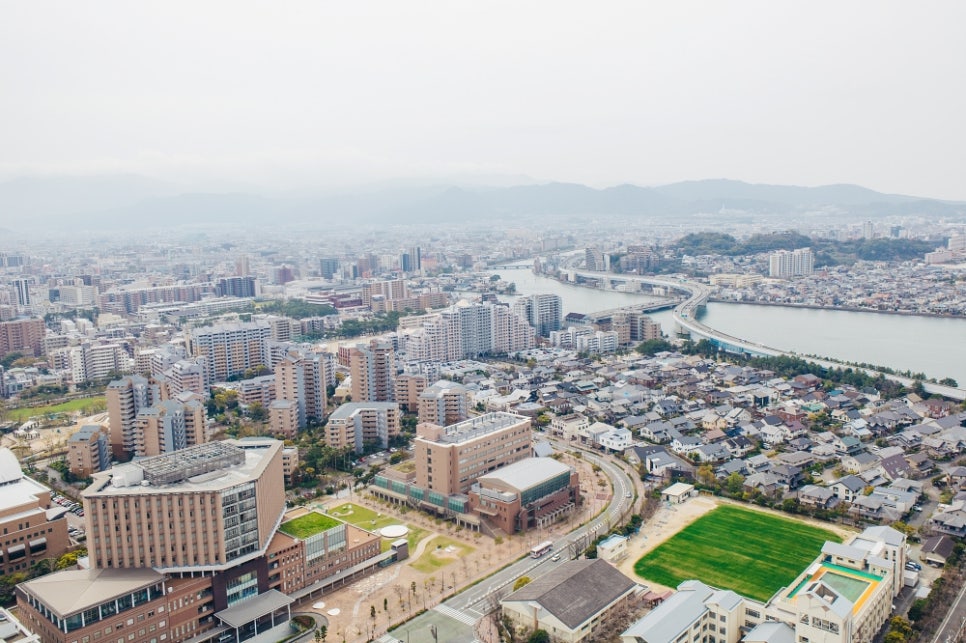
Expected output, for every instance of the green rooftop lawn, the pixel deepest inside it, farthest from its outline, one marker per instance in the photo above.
(308, 525)
(750, 552)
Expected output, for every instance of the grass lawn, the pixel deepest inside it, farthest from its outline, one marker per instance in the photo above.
(436, 555)
(24, 414)
(371, 521)
(308, 525)
(753, 553)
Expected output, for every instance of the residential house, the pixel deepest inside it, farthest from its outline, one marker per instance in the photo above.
(817, 497)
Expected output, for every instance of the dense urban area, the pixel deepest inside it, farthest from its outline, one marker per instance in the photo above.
(373, 434)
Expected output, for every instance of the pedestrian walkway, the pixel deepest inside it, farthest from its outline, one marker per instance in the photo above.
(454, 614)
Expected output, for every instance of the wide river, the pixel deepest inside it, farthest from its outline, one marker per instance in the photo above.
(935, 346)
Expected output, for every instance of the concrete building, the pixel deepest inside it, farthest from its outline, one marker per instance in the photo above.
(169, 426)
(542, 311)
(300, 378)
(449, 460)
(791, 263)
(691, 612)
(613, 548)
(207, 520)
(529, 494)
(470, 330)
(193, 509)
(573, 601)
(373, 371)
(358, 424)
(230, 349)
(22, 336)
(445, 403)
(88, 451)
(383, 290)
(408, 388)
(126, 398)
(283, 419)
(32, 527)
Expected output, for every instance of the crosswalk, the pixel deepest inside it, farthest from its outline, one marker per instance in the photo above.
(457, 615)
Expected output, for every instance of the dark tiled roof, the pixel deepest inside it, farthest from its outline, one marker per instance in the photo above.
(575, 591)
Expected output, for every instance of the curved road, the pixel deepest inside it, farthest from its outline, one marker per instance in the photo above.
(685, 315)
(473, 603)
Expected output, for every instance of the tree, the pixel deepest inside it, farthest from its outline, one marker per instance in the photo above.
(735, 483)
(540, 636)
(523, 580)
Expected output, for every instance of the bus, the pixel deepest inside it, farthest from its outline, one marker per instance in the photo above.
(541, 549)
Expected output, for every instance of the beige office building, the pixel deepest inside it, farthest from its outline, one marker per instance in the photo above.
(191, 510)
(450, 459)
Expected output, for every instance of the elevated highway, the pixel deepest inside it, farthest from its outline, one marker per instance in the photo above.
(686, 313)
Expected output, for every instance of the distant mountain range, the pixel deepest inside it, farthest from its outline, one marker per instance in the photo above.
(129, 201)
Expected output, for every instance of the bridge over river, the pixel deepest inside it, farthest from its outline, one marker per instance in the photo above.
(686, 319)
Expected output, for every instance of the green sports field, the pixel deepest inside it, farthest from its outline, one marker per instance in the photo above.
(750, 552)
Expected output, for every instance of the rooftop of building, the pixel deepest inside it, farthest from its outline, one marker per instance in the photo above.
(308, 525)
(85, 432)
(575, 591)
(16, 489)
(527, 473)
(479, 426)
(204, 467)
(675, 615)
(71, 591)
(347, 410)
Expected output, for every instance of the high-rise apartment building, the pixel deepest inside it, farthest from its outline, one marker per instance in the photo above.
(542, 311)
(595, 259)
(169, 426)
(230, 349)
(450, 459)
(88, 451)
(22, 287)
(237, 287)
(373, 371)
(392, 289)
(126, 398)
(358, 424)
(22, 336)
(329, 267)
(785, 263)
(445, 403)
(470, 330)
(300, 378)
(408, 388)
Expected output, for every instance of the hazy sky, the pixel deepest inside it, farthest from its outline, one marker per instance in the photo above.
(295, 93)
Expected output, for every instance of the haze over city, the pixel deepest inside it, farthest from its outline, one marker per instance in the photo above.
(250, 97)
(545, 322)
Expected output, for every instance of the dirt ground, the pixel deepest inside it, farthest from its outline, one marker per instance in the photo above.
(390, 591)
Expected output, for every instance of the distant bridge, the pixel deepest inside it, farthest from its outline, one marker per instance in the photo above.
(685, 316)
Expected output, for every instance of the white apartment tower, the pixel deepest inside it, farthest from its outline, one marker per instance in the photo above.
(785, 263)
(542, 311)
(230, 349)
